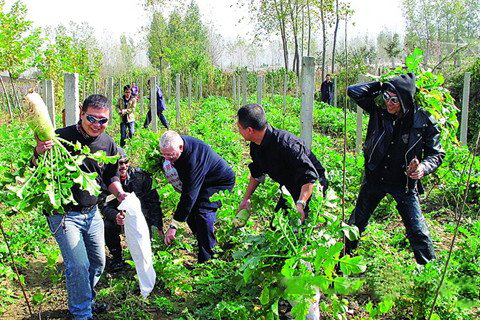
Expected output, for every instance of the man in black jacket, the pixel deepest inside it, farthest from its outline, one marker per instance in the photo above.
(281, 155)
(402, 145)
(132, 180)
(327, 90)
(195, 170)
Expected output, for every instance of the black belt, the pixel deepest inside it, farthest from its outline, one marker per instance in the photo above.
(78, 208)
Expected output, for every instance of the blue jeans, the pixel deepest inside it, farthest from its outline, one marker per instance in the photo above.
(81, 241)
(124, 127)
(408, 205)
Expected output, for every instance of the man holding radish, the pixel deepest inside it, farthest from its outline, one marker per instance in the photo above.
(80, 231)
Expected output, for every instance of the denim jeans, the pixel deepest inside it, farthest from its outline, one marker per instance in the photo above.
(408, 205)
(81, 241)
(124, 127)
(148, 119)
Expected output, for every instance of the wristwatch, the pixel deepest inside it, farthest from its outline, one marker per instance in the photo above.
(302, 202)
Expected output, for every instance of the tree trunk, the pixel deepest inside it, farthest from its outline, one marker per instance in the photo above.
(294, 18)
(337, 22)
(8, 101)
(14, 91)
(324, 33)
(283, 32)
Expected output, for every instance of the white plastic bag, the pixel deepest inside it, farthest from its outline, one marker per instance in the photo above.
(138, 241)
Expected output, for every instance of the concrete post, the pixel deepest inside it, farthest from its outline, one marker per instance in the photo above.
(244, 82)
(189, 91)
(153, 103)
(234, 89)
(169, 88)
(259, 89)
(110, 97)
(94, 89)
(140, 94)
(308, 91)
(334, 92)
(201, 88)
(358, 140)
(272, 87)
(465, 102)
(177, 98)
(72, 111)
(285, 85)
(239, 89)
(49, 99)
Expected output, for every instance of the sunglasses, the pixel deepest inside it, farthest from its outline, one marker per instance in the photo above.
(120, 162)
(387, 97)
(93, 120)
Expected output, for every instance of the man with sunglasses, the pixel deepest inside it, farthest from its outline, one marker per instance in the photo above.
(80, 231)
(133, 180)
(402, 145)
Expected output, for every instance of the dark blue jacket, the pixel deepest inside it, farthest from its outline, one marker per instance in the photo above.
(202, 172)
(160, 101)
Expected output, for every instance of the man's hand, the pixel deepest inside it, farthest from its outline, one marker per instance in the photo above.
(300, 210)
(415, 169)
(121, 196)
(245, 204)
(43, 146)
(170, 236)
(120, 218)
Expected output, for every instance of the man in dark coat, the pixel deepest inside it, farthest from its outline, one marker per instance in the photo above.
(195, 170)
(160, 108)
(281, 155)
(402, 145)
(133, 180)
(327, 90)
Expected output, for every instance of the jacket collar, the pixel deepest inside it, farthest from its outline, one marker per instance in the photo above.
(268, 136)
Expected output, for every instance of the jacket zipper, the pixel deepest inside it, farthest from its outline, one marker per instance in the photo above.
(371, 153)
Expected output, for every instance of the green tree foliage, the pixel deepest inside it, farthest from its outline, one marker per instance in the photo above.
(439, 26)
(18, 40)
(72, 49)
(181, 42)
(127, 51)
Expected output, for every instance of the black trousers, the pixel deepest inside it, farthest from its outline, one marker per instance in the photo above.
(159, 114)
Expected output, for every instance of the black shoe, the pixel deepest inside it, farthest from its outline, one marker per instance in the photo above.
(99, 307)
(117, 266)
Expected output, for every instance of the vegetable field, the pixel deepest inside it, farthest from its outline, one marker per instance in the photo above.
(257, 267)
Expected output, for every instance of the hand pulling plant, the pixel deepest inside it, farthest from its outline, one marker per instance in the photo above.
(48, 184)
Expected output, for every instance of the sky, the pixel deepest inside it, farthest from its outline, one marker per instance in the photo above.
(111, 18)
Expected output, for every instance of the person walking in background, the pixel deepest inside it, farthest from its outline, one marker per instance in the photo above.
(327, 90)
(402, 145)
(160, 108)
(134, 89)
(126, 109)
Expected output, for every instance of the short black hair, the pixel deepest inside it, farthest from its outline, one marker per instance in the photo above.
(127, 87)
(253, 116)
(96, 101)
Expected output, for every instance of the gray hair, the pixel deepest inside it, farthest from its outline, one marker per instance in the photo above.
(170, 139)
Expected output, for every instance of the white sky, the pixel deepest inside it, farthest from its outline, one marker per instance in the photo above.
(111, 18)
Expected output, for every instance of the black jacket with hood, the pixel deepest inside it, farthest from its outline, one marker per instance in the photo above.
(423, 135)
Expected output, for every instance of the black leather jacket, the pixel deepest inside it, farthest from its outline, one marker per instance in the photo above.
(140, 182)
(424, 135)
